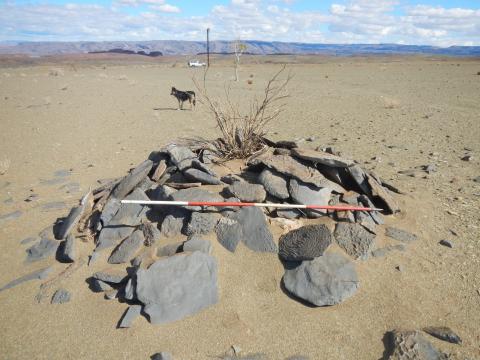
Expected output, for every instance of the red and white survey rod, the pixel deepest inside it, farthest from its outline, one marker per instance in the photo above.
(244, 204)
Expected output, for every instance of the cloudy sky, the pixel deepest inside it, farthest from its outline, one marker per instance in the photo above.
(432, 22)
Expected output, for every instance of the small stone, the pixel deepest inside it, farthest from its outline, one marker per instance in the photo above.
(443, 333)
(247, 192)
(399, 268)
(130, 315)
(288, 213)
(197, 244)
(446, 243)
(36, 275)
(229, 233)
(28, 240)
(430, 168)
(467, 158)
(385, 250)
(477, 179)
(127, 249)
(305, 243)
(173, 224)
(322, 158)
(170, 249)
(162, 356)
(200, 176)
(400, 235)
(195, 194)
(100, 286)
(201, 223)
(325, 280)
(111, 294)
(150, 233)
(354, 240)
(181, 156)
(61, 296)
(43, 249)
(230, 179)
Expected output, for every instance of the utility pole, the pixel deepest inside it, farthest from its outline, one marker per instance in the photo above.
(208, 47)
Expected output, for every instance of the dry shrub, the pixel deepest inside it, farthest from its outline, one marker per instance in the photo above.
(243, 131)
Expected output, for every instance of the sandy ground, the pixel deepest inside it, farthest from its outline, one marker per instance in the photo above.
(99, 118)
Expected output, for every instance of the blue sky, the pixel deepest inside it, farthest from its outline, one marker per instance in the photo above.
(432, 22)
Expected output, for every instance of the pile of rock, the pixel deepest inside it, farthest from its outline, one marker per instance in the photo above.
(170, 281)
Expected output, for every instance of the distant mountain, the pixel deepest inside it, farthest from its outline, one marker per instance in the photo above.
(173, 47)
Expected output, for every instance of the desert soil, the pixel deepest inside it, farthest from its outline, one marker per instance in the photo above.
(99, 118)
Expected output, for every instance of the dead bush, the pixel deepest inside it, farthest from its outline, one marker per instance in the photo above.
(243, 131)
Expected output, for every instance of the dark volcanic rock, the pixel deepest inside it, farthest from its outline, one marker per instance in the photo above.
(305, 243)
(200, 176)
(127, 249)
(201, 223)
(256, 234)
(41, 250)
(409, 345)
(61, 296)
(130, 315)
(229, 233)
(124, 222)
(443, 333)
(307, 194)
(178, 286)
(354, 239)
(130, 181)
(274, 183)
(162, 356)
(325, 280)
(247, 192)
(400, 235)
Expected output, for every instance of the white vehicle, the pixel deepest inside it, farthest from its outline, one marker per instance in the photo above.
(196, 63)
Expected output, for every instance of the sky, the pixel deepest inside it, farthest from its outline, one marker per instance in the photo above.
(416, 22)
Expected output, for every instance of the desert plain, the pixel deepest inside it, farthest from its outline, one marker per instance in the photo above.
(95, 117)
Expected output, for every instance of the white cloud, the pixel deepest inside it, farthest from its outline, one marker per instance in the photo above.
(359, 21)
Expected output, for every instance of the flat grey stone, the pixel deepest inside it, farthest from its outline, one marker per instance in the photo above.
(173, 224)
(170, 249)
(54, 181)
(73, 218)
(274, 183)
(161, 192)
(230, 179)
(111, 276)
(127, 249)
(255, 232)
(385, 250)
(195, 194)
(181, 156)
(41, 250)
(400, 235)
(100, 286)
(128, 217)
(375, 215)
(201, 223)
(307, 194)
(130, 315)
(351, 198)
(287, 165)
(10, 216)
(305, 243)
(200, 176)
(162, 356)
(29, 240)
(130, 289)
(354, 240)
(229, 233)
(196, 244)
(381, 195)
(446, 243)
(109, 210)
(321, 157)
(443, 333)
(325, 280)
(179, 286)
(409, 345)
(62, 173)
(61, 296)
(288, 213)
(70, 187)
(247, 192)
(54, 206)
(363, 218)
(48, 233)
(146, 184)
(68, 249)
(197, 164)
(359, 177)
(36, 275)
(129, 182)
